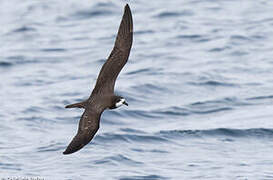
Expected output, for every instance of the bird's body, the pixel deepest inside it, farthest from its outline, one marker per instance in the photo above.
(102, 96)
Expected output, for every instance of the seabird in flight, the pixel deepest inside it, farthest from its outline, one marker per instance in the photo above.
(102, 96)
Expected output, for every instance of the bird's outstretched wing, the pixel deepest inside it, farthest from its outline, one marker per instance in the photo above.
(88, 126)
(118, 57)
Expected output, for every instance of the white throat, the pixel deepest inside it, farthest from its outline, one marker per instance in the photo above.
(120, 102)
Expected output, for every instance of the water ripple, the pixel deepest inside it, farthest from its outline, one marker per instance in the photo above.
(213, 83)
(4, 64)
(169, 14)
(147, 177)
(9, 166)
(53, 146)
(118, 159)
(91, 14)
(129, 138)
(257, 133)
(24, 29)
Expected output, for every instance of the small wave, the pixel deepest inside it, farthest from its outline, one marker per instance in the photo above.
(167, 14)
(258, 37)
(147, 177)
(193, 37)
(99, 9)
(5, 64)
(37, 82)
(224, 100)
(213, 83)
(193, 109)
(212, 110)
(144, 70)
(20, 60)
(174, 111)
(149, 151)
(239, 37)
(53, 50)
(32, 109)
(118, 159)
(9, 166)
(227, 101)
(197, 108)
(142, 114)
(220, 132)
(239, 53)
(144, 32)
(110, 137)
(260, 97)
(149, 88)
(23, 29)
(219, 49)
(92, 13)
(130, 130)
(87, 14)
(53, 146)
(147, 71)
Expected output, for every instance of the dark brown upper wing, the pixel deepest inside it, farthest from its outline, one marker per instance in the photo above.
(88, 126)
(118, 57)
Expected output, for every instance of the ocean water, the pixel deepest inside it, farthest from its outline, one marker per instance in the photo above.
(199, 83)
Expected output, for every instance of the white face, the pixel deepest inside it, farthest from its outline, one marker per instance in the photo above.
(120, 102)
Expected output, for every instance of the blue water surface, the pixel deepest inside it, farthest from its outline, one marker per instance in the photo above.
(199, 83)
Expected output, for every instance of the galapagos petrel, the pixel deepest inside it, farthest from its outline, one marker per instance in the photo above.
(102, 96)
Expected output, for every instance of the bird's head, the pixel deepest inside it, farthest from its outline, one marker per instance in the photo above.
(118, 101)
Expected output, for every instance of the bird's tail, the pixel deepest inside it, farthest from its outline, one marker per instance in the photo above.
(77, 105)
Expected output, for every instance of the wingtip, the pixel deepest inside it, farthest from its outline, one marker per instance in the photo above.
(71, 148)
(127, 7)
(69, 151)
(128, 15)
(65, 152)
